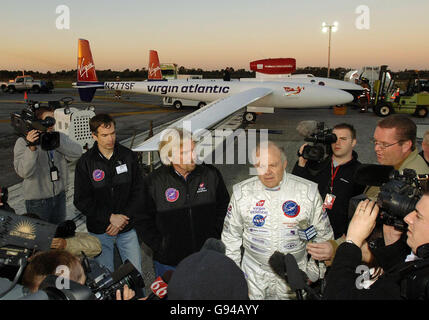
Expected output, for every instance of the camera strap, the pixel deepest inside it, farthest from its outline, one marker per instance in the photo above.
(54, 170)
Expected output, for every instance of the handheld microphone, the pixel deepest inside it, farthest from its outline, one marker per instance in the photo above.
(297, 277)
(306, 232)
(277, 263)
(372, 174)
(159, 286)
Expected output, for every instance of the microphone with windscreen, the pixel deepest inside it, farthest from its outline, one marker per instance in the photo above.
(307, 127)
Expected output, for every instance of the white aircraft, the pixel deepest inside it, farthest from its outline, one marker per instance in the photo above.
(226, 97)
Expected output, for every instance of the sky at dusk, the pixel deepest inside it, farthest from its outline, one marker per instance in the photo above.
(213, 34)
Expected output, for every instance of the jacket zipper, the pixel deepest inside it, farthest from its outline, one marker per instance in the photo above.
(188, 198)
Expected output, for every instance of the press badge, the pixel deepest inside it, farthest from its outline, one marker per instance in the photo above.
(121, 169)
(329, 201)
(54, 174)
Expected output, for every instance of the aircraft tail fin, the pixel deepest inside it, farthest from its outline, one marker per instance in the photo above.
(154, 71)
(87, 81)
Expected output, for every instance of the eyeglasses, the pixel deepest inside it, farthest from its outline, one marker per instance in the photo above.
(383, 145)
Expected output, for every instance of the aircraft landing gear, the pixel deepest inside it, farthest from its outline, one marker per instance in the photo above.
(249, 117)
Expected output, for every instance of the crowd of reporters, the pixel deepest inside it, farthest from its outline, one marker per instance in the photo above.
(267, 221)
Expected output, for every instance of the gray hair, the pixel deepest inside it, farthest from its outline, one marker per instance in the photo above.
(266, 145)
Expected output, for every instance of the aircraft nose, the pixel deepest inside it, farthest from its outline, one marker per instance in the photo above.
(343, 97)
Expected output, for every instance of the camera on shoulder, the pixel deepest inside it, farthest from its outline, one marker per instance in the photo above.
(321, 138)
(26, 120)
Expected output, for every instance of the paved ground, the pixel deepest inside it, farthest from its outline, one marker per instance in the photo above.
(133, 114)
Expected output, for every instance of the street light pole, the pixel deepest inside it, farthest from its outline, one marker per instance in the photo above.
(330, 29)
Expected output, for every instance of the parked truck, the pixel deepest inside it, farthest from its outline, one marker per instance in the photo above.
(27, 83)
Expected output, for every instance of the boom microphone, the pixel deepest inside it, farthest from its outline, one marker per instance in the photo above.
(307, 127)
(372, 174)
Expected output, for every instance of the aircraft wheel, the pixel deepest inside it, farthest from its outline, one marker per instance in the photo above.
(201, 104)
(249, 117)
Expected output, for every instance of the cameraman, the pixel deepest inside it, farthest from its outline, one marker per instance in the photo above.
(405, 280)
(395, 145)
(335, 176)
(44, 172)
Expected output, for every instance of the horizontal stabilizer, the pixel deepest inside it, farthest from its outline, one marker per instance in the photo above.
(209, 115)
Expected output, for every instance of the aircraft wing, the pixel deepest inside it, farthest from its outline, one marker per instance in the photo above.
(209, 115)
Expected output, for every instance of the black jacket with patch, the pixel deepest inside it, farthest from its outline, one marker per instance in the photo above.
(103, 187)
(182, 214)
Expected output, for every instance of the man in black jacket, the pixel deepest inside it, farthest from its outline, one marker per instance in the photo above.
(404, 280)
(187, 203)
(108, 189)
(336, 184)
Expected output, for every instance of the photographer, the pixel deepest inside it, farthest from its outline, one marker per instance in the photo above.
(44, 171)
(405, 280)
(395, 145)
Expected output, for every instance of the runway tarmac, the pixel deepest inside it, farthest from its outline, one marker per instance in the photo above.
(133, 114)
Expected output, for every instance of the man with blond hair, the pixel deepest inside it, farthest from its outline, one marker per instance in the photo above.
(187, 203)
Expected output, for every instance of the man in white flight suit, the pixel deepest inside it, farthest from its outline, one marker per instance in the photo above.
(264, 215)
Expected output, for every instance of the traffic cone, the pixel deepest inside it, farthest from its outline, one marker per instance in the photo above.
(25, 97)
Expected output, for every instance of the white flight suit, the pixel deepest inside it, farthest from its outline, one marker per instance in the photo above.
(264, 220)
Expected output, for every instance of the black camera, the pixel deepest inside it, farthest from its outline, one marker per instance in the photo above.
(398, 196)
(321, 139)
(26, 121)
(104, 283)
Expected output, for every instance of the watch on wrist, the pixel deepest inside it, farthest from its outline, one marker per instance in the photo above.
(351, 241)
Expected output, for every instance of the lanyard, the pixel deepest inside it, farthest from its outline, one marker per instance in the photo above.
(51, 156)
(333, 174)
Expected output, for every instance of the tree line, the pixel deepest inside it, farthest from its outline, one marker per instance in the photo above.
(141, 74)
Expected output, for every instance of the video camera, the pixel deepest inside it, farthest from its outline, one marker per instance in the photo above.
(104, 283)
(398, 196)
(26, 121)
(321, 139)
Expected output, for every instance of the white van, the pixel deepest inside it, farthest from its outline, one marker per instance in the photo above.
(179, 103)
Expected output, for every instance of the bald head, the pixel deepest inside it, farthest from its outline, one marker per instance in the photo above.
(270, 162)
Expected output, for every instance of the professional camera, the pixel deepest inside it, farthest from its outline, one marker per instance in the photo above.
(398, 196)
(322, 139)
(104, 283)
(26, 121)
